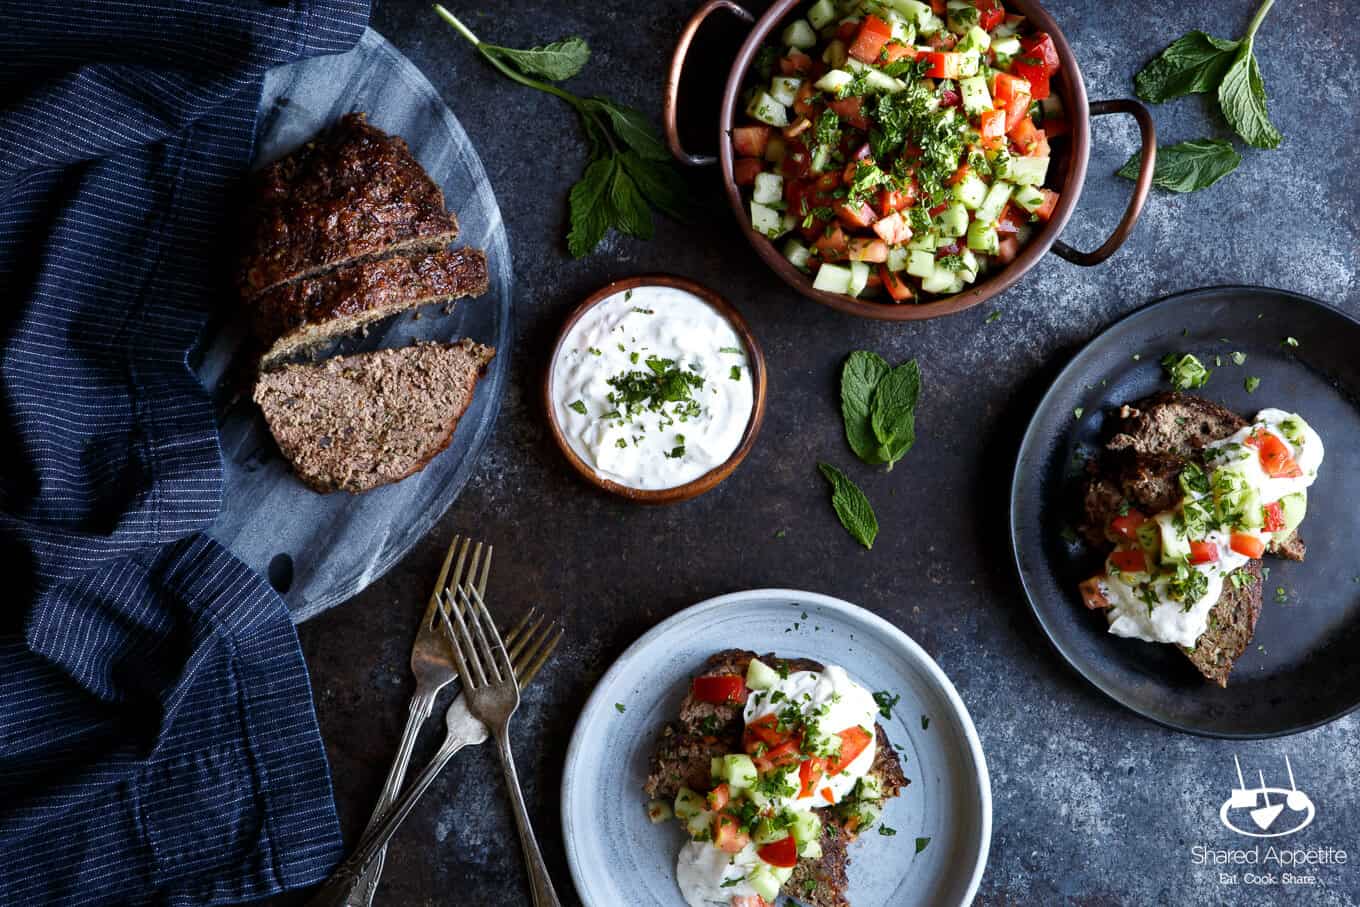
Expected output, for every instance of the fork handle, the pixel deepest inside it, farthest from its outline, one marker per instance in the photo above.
(540, 883)
(336, 889)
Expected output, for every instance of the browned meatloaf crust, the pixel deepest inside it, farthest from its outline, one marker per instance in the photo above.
(704, 729)
(356, 422)
(354, 192)
(293, 317)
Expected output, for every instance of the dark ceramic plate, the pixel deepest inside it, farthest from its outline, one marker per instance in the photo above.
(1301, 670)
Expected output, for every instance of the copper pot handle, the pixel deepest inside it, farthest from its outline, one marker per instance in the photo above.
(668, 110)
(1140, 188)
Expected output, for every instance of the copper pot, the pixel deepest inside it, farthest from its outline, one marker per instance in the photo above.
(1067, 177)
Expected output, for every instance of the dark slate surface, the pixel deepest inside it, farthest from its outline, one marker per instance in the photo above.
(1092, 805)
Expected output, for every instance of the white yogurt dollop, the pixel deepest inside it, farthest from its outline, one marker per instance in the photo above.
(652, 388)
(710, 876)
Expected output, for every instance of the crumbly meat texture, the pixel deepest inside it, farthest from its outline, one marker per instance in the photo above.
(294, 317)
(704, 730)
(1232, 623)
(353, 423)
(352, 193)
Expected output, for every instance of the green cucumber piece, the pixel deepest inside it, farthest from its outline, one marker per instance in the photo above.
(700, 826)
(1029, 198)
(859, 277)
(799, 34)
(970, 190)
(822, 13)
(767, 221)
(659, 811)
(1007, 46)
(915, 12)
(739, 771)
(1175, 544)
(942, 281)
(953, 221)
(767, 110)
(806, 826)
(832, 279)
(921, 263)
(784, 89)
(897, 258)
(1026, 171)
(833, 81)
(995, 202)
(798, 255)
(688, 802)
(768, 189)
(976, 97)
(976, 39)
(982, 238)
(765, 883)
(767, 831)
(759, 675)
(928, 241)
(1294, 507)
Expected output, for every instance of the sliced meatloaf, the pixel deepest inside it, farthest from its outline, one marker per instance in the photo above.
(354, 192)
(296, 316)
(356, 422)
(703, 730)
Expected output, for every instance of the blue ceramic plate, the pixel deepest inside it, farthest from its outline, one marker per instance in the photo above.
(618, 857)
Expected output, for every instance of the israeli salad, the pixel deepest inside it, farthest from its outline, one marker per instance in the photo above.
(899, 148)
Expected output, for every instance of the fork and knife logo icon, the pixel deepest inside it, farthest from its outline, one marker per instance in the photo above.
(1257, 811)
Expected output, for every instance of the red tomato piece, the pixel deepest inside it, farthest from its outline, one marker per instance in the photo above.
(796, 63)
(1005, 87)
(1129, 560)
(943, 64)
(720, 688)
(803, 104)
(750, 141)
(1007, 249)
(850, 110)
(1045, 211)
(1274, 517)
(744, 170)
(854, 740)
(1034, 74)
(937, 7)
(993, 124)
(828, 795)
(873, 34)
(847, 30)
(1127, 525)
(797, 160)
(890, 200)
(897, 288)
(990, 13)
(784, 754)
(809, 773)
(832, 245)
(893, 229)
(782, 853)
(1246, 545)
(719, 797)
(1040, 47)
(894, 51)
(1024, 132)
(1016, 110)
(1091, 596)
(1203, 552)
(766, 729)
(1276, 460)
(857, 217)
(749, 900)
(727, 834)
(1012, 218)
(865, 249)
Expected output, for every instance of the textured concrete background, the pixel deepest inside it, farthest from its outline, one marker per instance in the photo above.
(1093, 805)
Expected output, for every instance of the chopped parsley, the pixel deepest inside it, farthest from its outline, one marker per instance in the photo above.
(735, 373)
(1185, 372)
(886, 832)
(663, 383)
(886, 701)
(925, 722)
(619, 707)
(921, 844)
(578, 405)
(1251, 384)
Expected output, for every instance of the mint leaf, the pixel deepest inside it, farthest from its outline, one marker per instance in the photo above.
(855, 512)
(1242, 95)
(633, 127)
(660, 185)
(632, 216)
(557, 61)
(859, 376)
(892, 414)
(591, 213)
(1189, 166)
(1191, 64)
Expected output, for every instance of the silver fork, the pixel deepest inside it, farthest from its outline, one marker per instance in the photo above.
(530, 646)
(433, 669)
(492, 695)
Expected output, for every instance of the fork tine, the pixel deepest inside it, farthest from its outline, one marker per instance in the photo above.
(522, 660)
(516, 643)
(528, 673)
(493, 649)
(464, 652)
(487, 654)
(442, 583)
(486, 571)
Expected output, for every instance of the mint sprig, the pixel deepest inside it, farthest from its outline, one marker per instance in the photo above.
(878, 406)
(852, 507)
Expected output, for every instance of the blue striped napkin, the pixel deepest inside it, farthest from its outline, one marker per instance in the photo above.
(157, 738)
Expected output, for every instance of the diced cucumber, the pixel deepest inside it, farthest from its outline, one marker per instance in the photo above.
(782, 874)
(1293, 507)
(921, 263)
(930, 25)
(769, 188)
(759, 675)
(775, 149)
(784, 89)
(942, 281)
(715, 768)
(1009, 27)
(1026, 171)
(903, 31)
(995, 202)
(928, 241)
(1028, 197)
(767, 831)
(799, 34)
(970, 190)
(767, 110)
(976, 97)
(969, 63)
(787, 222)
(1149, 539)
(688, 802)
(764, 795)
(764, 882)
(859, 277)
(867, 811)
(982, 237)
(874, 80)
(798, 255)
(822, 13)
(767, 221)
(1006, 47)
(835, 54)
(832, 279)
(739, 771)
(953, 220)
(806, 826)
(976, 39)
(916, 12)
(812, 850)
(700, 826)
(870, 787)
(833, 81)
(659, 811)
(1052, 107)
(1175, 543)
(961, 15)
(897, 258)
(969, 272)
(821, 159)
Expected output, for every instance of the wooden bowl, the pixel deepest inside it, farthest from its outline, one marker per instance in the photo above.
(1067, 173)
(755, 362)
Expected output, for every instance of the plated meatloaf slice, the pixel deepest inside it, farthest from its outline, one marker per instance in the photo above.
(352, 193)
(296, 316)
(703, 730)
(356, 422)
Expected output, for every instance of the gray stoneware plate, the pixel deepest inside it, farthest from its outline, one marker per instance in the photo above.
(1301, 670)
(618, 857)
(319, 550)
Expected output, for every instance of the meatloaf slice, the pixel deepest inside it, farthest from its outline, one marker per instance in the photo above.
(357, 422)
(352, 193)
(296, 316)
(1232, 623)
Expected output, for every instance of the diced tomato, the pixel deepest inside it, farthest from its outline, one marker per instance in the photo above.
(890, 200)
(750, 141)
(809, 773)
(1040, 48)
(828, 795)
(1276, 460)
(959, 175)
(1129, 560)
(938, 208)
(749, 900)
(832, 245)
(937, 7)
(727, 834)
(850, 110)
(1005, 87)
(1039, 147)
(893, 229)
(1091, 596)
(1034, 75)
(766, 729)
(1012, 218)
(943, 64)
(1246, 545)
(1016, 110)
(782, 853)
(865, 249)
(993, 124)
(1274, 517)
(897, 288)
(796, 63)
(1007, 249)
(785, 753)
(990, 13)
(1045, 211)
(803, 104)
(1023, 133)
(720, 688)
(854, 740)
(1056, 126)
(797, 160)
(857, 216)
(1127, 525)
(719, 797)
(873, 34)
(744, 170)
(846, 31)
(1203, 552)
(894, 51)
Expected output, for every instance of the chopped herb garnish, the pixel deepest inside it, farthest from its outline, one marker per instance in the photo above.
(886, 701)
(925, 722)
(1251, 384)
(921, 844)
(735, 373)
(619, 707)
(578, 405)
(886, 832)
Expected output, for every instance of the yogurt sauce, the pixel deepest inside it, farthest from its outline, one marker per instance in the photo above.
(652, 388)
(708, 876)
(1145, 610)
